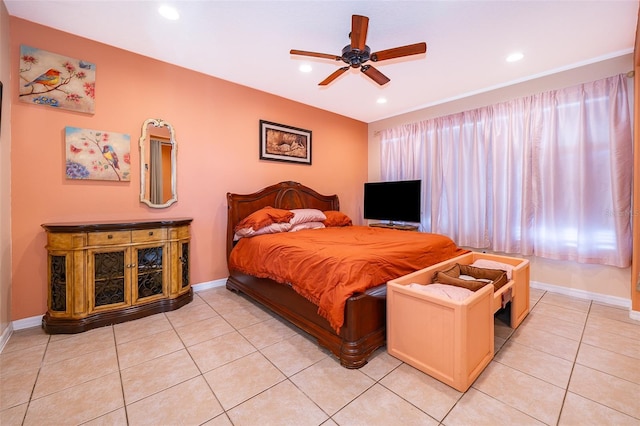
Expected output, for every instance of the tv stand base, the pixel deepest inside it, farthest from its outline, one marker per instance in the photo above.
(394, 226)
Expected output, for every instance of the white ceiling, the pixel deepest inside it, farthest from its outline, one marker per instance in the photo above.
(248, 42)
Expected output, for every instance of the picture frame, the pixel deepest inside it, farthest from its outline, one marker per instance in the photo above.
(97, 155)
(56, 81)
(279, 142)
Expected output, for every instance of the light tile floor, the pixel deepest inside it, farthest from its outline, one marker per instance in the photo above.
(222, 360)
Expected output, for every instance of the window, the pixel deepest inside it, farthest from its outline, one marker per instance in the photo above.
(546, 175)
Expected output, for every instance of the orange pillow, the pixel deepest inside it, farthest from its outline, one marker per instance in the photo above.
(336, 218)
(264, 217)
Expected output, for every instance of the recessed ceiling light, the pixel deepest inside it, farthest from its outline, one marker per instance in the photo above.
(305, 68)
(168, 12)
(382, 100)
(515, 57)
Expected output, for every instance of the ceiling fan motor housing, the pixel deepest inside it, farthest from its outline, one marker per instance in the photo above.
(355, 57)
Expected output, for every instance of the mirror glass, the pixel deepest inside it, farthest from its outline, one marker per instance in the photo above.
(158, 150)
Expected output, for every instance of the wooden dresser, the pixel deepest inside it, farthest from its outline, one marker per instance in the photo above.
(111, 272)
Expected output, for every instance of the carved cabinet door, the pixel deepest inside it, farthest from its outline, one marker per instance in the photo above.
(109, 277)
(183, 265)
(150, 272)
(59, 273)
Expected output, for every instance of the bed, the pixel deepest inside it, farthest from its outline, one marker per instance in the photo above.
(363, 326)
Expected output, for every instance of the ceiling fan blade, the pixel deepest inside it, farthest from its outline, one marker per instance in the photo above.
(375, 75)
(337, 73)
(359, 25)
(315, 54)
(398, 52)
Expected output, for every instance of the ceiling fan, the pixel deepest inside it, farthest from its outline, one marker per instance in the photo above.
(358, 53)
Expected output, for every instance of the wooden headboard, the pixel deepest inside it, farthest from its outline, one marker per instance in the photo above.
(284, 195)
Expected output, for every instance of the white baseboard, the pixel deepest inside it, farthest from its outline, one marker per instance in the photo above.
(582, 294)
(209, 284)
(28, 322)
(588, 295)
(6, 333)
(18, 325)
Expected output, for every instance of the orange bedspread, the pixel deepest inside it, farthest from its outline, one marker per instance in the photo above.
(329, 265)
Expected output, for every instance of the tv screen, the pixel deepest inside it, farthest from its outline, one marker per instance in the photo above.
(397, 201)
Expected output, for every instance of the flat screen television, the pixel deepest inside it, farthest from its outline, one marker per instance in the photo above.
(397, 201)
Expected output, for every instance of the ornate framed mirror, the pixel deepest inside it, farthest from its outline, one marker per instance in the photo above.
(158, 162)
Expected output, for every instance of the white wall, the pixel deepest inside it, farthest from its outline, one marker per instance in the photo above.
(594, 279)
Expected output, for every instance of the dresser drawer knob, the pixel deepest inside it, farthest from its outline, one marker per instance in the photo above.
(150, 233)
(110, 236)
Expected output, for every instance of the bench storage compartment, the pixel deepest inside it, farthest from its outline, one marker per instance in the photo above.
(452, 340)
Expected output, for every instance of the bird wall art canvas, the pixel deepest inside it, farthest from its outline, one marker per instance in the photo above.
(97, 155)
(56, 81)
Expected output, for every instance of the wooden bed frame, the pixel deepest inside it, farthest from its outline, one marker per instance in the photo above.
(364, 328)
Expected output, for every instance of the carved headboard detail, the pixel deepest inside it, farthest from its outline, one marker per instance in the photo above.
(284, 195)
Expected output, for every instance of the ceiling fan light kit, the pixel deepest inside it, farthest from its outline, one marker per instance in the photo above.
(357, 54)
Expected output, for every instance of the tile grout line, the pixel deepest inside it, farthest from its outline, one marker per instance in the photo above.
(201, 374)
(124, 401)
(224, 412)
(288, 378)
(403, 398)
(375, 382)
(589, 314)
(573, 366)
(501, 348)
(33, 388)
(595, 369)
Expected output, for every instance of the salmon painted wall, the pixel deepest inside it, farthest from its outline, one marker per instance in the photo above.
(216, 124)
(5, 176)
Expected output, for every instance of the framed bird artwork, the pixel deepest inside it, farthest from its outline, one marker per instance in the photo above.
(56, 81)
(97, 155)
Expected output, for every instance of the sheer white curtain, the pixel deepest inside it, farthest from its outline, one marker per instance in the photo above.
(546, 175)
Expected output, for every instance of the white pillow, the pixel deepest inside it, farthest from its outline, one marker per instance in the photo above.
(306, 225)
(492, 264)
(274, 228)
(306, 215)
(444, 291)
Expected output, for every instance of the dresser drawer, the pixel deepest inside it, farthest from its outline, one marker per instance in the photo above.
(108, 238)
(148, 235)
(180, 232)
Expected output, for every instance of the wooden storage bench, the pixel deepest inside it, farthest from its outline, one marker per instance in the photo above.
(451, 340)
